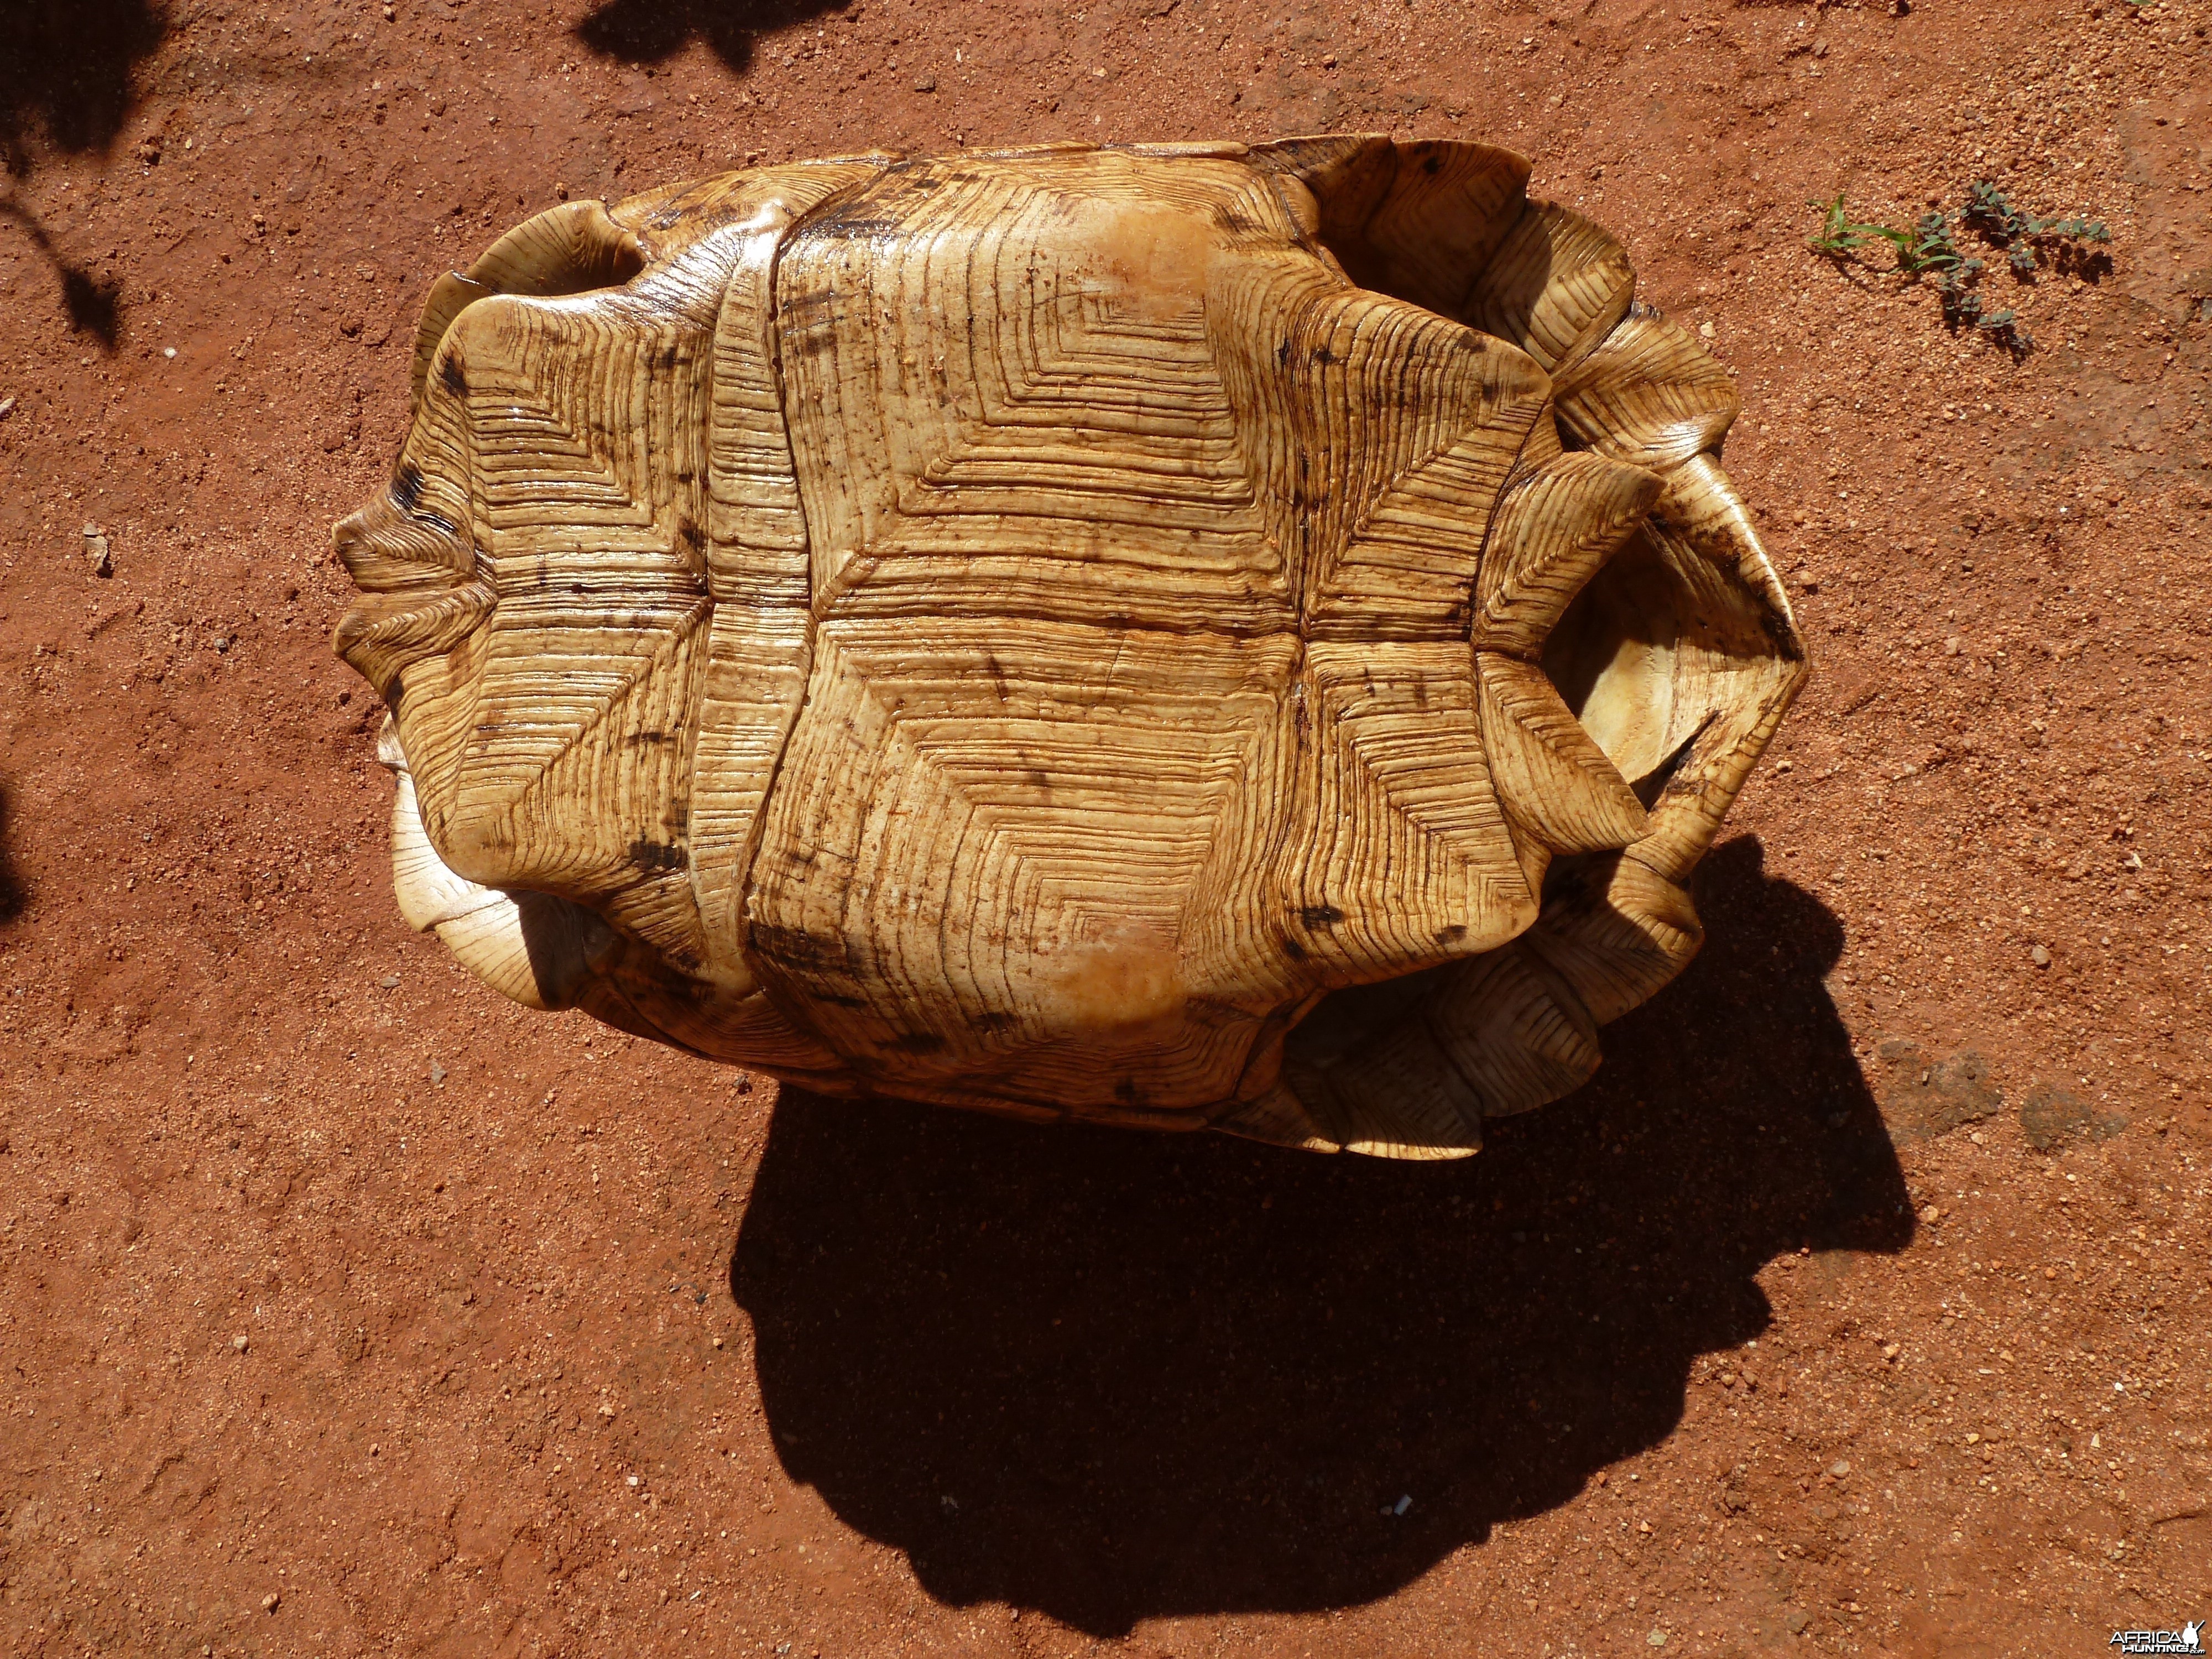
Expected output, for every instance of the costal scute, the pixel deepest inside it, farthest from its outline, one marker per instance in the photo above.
(1181, 635)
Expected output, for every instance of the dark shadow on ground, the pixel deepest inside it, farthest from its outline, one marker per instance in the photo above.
(66, 72)
(94, 304)
(1113, 1375)
(650, 31)
(13, 894)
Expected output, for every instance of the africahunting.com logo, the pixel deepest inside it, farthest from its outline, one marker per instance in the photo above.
(2190, 1638)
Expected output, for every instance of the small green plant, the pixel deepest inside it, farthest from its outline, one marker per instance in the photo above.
(1931, 249)
(1838, 237)
(2024, 237)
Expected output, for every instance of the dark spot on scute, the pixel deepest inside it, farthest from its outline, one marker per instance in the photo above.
(692, 536)
(1319, 915)
(450, 376)
(1127, 1092)
(1323, 357)
(920, 1043)
(1283, 355)
(655, 856)
(820, 300)
(1292, 949)
(639, 739)
(407, 486)
(992, 1022)
(1451, 935)
(1432, 164)
(796, 948)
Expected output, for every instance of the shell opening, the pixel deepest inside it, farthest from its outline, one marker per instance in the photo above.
(1612, 658)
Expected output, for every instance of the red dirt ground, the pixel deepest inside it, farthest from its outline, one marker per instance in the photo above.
(1858, 1306)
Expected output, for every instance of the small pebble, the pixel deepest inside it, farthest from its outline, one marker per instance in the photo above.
(268, 1602)
(437, 1074)
(390, 981)
(7, 407)
(1705, 331)
(1657, 1638)
(239, 1343)
(168, 351)
(925, 83)
(97, 549)
(1840, 1469)
(2039, 957)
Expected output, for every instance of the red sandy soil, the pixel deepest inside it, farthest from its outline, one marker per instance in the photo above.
(1859, 1306)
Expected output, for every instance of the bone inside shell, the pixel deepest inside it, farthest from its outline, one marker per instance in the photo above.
(1247, 637)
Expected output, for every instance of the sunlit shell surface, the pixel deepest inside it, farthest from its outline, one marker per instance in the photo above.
(1186, 635)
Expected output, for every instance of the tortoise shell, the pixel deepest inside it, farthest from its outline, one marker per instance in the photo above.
(1185, 636)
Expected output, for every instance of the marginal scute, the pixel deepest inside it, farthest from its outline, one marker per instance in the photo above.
(1556, 287)
(1397, 1096)
(1650, 394)
(1552, 780)
(1557, 525)
(1279, 1118)
(1415, 221)
(1516, 1032)
(1615, 930)
(531, 947)
(571, 249)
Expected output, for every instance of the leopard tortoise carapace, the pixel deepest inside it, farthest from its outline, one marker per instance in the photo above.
(1190, 635)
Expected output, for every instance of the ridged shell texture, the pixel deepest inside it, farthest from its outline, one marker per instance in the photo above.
(1253, 637)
